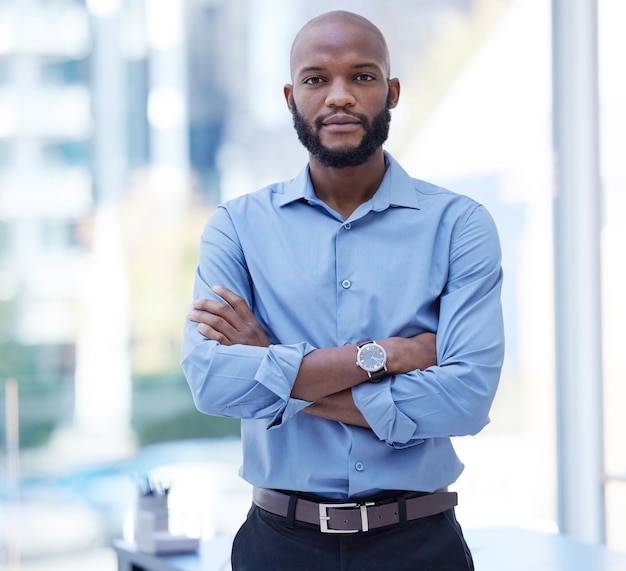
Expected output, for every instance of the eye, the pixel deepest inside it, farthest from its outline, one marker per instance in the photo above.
(365, 77)
(313, 80)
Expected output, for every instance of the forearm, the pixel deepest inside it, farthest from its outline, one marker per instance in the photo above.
(340, 407)
(329, 371)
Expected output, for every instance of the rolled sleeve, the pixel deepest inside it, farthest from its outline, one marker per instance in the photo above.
(278, 372)
(387, 421)
(243, 381)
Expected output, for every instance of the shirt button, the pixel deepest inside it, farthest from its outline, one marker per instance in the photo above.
(345, 284)
(359, 466)
(347, 226)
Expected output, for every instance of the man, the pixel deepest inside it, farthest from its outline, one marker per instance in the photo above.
(346, 440)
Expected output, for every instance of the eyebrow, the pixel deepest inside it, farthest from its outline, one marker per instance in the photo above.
(364, 65)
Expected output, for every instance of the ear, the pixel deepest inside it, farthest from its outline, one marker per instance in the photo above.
(394, 92)
(288, 92)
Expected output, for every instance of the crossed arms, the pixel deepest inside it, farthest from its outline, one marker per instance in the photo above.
(326, 375)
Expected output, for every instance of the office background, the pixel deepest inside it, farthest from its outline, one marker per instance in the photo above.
(124, 122)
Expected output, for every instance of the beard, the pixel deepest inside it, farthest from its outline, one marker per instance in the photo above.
(376, 133)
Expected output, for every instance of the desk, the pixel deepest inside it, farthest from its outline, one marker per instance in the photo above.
(530, 550)
(214, 555)
(493, 550)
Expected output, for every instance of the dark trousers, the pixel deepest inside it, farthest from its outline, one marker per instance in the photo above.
(265, 542)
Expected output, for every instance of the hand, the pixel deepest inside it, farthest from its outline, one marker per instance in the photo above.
(230, 322)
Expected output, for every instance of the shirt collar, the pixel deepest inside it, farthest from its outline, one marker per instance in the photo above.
(396, 189)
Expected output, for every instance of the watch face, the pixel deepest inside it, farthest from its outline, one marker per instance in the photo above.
(371, 357)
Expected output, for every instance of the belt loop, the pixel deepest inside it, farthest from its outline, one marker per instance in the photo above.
(402, 510)
(291, 511)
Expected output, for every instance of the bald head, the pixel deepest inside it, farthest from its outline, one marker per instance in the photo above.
(332, 26)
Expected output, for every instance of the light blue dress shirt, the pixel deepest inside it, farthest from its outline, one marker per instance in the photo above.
(414, 258)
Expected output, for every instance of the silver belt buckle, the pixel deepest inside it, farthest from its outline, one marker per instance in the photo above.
(324, 517)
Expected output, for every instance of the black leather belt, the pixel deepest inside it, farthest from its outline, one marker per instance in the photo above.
(352, 517)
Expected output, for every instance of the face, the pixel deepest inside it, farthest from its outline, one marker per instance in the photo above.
(375, 134)
(341, 94)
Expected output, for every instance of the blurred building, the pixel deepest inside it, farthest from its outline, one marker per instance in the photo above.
(187, 92)
(45, 189)
(45, 178)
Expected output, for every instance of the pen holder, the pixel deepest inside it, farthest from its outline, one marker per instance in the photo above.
(152, 524)
(156, 506)
(152, 514)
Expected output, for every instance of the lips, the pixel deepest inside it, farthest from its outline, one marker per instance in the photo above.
(340, 120)
(341, 124)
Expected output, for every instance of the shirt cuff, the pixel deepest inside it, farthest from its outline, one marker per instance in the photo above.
(388, 422)
(278, 373)
(293, 407)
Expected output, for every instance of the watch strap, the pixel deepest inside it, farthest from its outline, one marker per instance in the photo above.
(378, 375)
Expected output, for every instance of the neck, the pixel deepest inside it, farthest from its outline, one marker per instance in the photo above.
(345, 189)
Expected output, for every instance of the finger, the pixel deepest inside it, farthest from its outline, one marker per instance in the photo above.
(237, 302)
(212, 334)
(217, 308)
(212, 323)
(211, 305)
(224, 292)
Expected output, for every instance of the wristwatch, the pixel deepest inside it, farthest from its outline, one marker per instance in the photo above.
(372, 358)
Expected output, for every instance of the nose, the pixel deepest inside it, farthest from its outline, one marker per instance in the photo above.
(339, 94)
